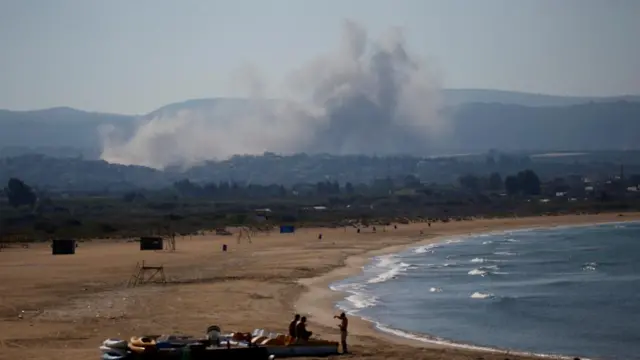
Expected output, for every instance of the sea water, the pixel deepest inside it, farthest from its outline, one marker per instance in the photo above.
(571, 291)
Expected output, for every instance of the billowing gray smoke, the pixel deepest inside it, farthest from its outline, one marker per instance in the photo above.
(363, 98)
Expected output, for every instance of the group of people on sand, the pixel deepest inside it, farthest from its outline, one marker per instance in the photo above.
(298, 329)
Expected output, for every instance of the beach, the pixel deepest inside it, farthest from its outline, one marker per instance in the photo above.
(64, 306)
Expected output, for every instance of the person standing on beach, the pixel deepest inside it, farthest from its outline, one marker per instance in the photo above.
(344, 324)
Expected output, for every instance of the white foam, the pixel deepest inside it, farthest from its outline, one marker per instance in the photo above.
(347, 287)
(386, 260)
(478, 260)
(590, 266)
(388, 267)
(358, 298)
(435, 289)
(505, 253)
(429, 247)
(361, 300)
(439, 266)
(425, 249)
(482, 295)
(487, 242)
(392, 273)
(477, 272)
(484, 270)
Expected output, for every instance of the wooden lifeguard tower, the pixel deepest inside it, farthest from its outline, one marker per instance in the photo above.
(145, 274)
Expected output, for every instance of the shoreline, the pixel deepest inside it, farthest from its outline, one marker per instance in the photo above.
(84, 299)
(319, 300)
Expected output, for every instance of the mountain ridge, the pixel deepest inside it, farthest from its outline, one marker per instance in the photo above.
(477, 125)
(460, 96)
(452, 97)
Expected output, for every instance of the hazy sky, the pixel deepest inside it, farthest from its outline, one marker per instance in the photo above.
(132, 56)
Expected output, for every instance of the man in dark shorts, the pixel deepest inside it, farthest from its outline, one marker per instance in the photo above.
(344, 324)
(292, 326)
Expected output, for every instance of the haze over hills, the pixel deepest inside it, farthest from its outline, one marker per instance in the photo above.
(454, 97)
(478, 120)
(362, 96)
(57, 128)
(451, 97)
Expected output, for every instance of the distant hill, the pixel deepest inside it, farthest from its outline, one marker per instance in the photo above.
(481, 120)
(451, 97)
(455, 97)
(592, 126)
(56, 128)
(230, 104)
(582, 124)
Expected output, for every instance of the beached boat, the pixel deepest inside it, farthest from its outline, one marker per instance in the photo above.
(257, 345)
(281, 345)
(175, 348)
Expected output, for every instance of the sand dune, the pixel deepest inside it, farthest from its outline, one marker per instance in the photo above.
(64, 306)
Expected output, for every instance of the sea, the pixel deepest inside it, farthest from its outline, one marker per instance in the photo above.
(568, 291)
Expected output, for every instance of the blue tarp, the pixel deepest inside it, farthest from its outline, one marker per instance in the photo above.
(287, 229)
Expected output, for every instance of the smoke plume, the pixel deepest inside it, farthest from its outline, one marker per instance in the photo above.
(364, 97)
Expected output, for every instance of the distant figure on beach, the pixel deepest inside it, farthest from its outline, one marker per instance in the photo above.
(344, 324)
(292, 326)
(301, 329)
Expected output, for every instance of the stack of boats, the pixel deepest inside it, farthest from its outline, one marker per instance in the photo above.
(256, 345)
(114, 349)
(166, 345)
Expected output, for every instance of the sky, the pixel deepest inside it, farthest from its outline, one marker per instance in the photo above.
(133, 56)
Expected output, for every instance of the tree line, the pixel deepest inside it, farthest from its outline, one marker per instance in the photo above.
(526, 183)
(523, 183)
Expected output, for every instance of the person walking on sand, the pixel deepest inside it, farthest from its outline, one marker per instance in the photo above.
(292, 326)
(344, 324)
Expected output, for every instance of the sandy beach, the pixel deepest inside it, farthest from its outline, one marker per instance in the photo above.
(64, 306)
